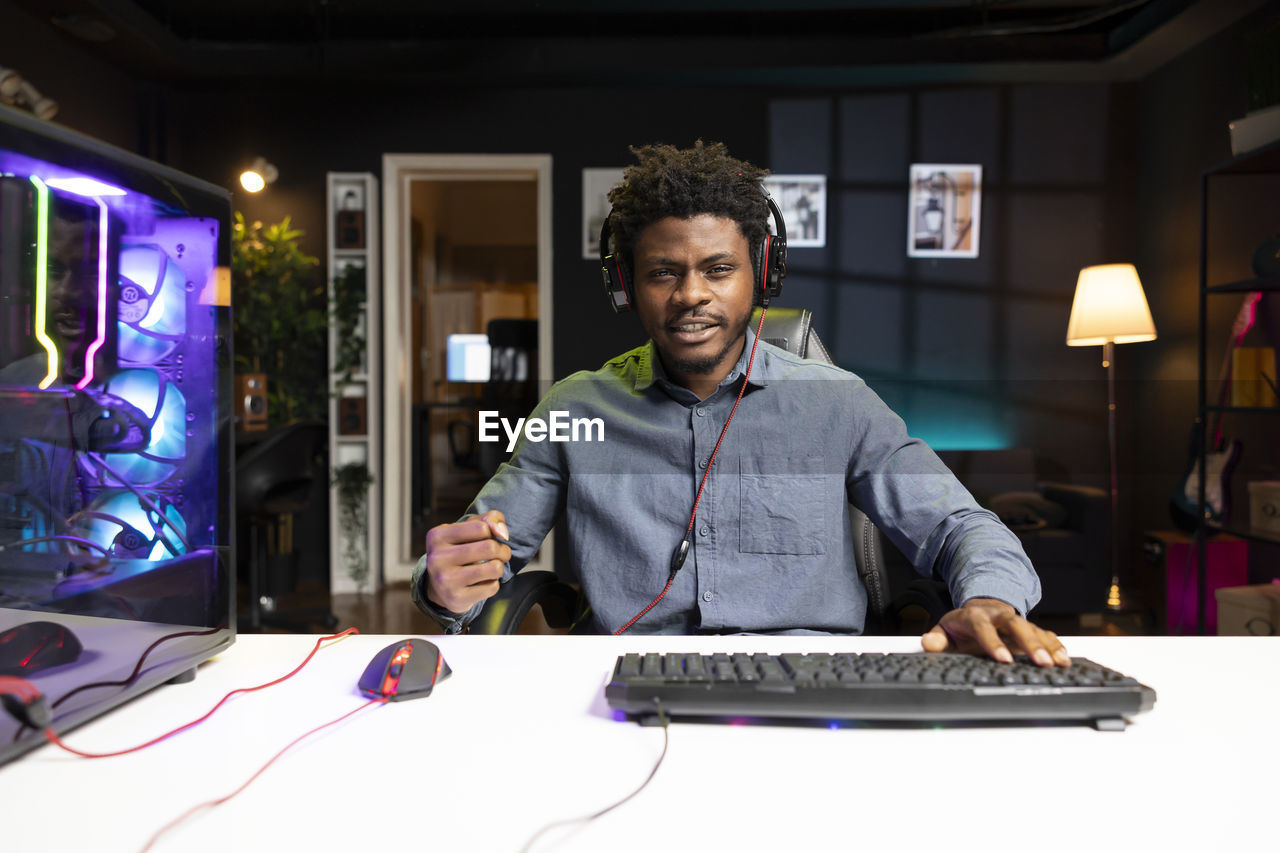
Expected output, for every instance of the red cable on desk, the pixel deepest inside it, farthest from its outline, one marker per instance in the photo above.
(33, 701)
(53, 738)
(220, 800)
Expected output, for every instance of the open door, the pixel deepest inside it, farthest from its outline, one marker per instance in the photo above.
(466, 326)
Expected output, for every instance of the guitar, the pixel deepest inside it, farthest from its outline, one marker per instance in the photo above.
(1223, 454)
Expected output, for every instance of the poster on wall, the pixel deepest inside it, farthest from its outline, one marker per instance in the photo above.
(803, 202)
(944, 209)
(596, 184)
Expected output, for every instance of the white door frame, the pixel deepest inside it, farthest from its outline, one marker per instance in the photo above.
(398, 172)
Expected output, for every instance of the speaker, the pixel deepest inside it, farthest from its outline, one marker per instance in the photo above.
(773, 264)
(350, 229)
(351, 416)
(251, 402)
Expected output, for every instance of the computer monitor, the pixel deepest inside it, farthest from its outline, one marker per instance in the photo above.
(467, 358)
(116, 551)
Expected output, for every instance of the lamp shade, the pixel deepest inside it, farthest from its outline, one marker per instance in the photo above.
(1109, 306)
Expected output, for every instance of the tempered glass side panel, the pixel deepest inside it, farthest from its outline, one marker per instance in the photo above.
(115, 437)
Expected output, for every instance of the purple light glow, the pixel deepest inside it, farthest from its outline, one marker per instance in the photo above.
(86, 187)
(92, 351)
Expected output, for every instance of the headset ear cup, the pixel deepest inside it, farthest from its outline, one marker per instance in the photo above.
(615, 280)
(620, 292)
(764, 290)
(773, 261)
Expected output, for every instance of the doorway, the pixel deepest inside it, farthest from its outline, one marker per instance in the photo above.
(466, 325)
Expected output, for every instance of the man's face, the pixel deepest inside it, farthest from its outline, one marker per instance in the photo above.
(71, 284)
(693, 288)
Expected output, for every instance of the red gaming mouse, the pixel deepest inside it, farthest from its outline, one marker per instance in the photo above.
(33, 646)
(408, 669)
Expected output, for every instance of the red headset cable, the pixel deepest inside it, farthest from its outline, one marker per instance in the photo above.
(682, 550)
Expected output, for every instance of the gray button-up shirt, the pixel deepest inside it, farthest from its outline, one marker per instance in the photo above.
(772, 547)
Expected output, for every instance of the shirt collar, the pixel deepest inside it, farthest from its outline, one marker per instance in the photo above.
(650, 368)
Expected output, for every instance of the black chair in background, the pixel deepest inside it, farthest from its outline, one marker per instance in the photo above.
(276, 475)
(906, 605)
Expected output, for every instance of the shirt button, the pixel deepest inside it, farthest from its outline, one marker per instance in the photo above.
(702, 413)
(705, 530)
(706, 596)
(702, 463)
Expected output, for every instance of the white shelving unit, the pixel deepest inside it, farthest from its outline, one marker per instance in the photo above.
(353, 240)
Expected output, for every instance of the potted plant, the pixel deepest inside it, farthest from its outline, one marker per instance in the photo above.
(279, 322)
(346, 310)
(352, 481)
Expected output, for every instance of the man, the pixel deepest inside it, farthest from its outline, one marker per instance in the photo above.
(770, 547)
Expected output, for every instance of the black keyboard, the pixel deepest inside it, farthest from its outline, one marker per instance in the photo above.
(918, 686)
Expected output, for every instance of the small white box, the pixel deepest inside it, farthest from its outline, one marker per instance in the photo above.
(1264, 505)
(1249, 611)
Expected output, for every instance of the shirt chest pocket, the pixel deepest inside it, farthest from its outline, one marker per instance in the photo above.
(781, 505)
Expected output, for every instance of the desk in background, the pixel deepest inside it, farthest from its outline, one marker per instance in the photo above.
(520, 736)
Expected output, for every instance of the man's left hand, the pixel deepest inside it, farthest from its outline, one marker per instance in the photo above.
(991, 627)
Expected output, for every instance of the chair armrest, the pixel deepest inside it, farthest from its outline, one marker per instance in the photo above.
(503, 613)
(919, 607)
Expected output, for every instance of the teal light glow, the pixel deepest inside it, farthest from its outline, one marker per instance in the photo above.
(119, 510)
(166, 408)
(153, 304)
(943, 435)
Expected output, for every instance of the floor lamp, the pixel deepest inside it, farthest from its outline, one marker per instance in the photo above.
(1110, 308)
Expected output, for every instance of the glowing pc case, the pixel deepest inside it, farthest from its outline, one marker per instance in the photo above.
(116, 566)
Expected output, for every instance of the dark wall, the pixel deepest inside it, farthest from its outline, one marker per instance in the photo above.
(1184, 110)
(309, 133)
(971, 352)
(92, 97)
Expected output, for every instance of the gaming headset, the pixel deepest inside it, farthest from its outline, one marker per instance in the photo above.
(773, 264)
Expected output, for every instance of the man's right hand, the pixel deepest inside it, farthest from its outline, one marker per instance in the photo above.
(465, 560)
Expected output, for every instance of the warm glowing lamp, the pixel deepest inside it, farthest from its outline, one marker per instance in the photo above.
(1110, 308)
(258, 175)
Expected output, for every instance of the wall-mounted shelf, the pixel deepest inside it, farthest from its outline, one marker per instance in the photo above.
(1249, 285)
(1245, 532)
(1263, 161)
(355, 429)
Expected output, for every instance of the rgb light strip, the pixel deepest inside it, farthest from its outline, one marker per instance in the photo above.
(42, 278)
(102, 296)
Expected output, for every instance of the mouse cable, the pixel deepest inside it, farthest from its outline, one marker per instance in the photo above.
(209, 804)
(53, 738)
(137, 670)
(666, 739)
(682, 550)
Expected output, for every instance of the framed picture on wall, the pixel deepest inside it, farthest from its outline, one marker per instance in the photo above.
(803, 202)
(944, 209)
(596, 184)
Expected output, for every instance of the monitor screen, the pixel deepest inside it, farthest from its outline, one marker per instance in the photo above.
(116, 566)
(467, 358)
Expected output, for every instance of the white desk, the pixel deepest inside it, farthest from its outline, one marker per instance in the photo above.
(481, 764)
